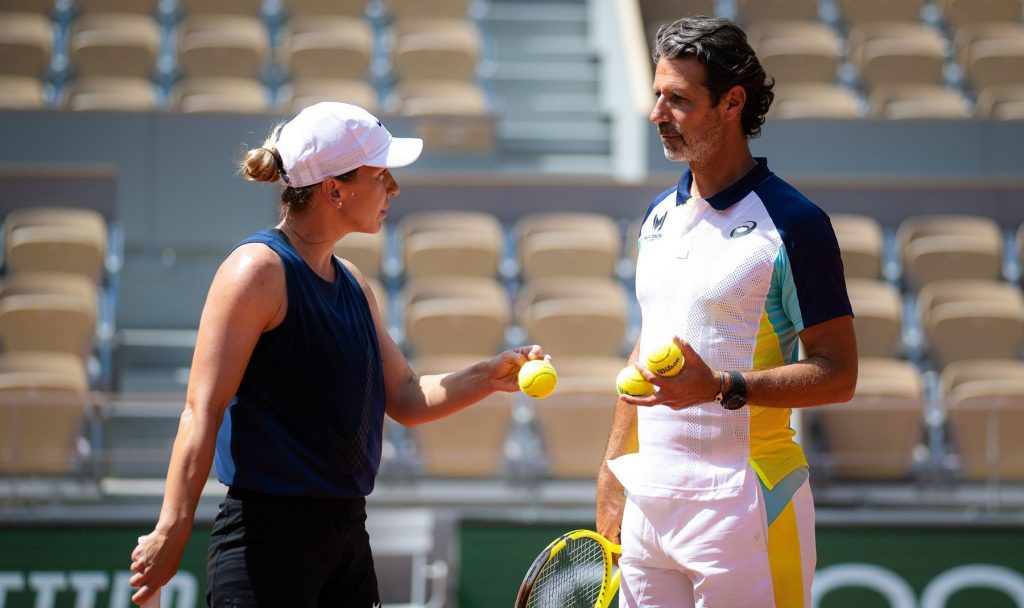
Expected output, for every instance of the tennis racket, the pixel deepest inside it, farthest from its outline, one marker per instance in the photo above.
(574, 571)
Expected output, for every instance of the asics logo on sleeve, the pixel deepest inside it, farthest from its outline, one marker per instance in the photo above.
(743, 229)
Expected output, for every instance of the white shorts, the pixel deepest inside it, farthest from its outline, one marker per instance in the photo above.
(717, 554)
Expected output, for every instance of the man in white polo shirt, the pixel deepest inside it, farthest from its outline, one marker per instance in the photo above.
(703, 483)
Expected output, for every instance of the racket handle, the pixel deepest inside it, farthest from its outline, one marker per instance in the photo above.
(153, 601)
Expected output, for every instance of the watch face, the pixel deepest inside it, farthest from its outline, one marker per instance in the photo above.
(734, 402)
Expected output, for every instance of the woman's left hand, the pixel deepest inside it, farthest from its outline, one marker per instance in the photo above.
(505, 367)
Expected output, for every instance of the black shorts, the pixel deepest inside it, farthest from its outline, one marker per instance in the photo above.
(273, 551)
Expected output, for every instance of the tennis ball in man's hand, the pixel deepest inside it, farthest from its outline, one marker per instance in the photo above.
(537, 378)
(630, 382)
(666, 360)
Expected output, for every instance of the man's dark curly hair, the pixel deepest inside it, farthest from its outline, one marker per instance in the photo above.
(722, 48)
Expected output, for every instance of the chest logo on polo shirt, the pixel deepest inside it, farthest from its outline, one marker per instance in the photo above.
(743, 229)
(659, 221)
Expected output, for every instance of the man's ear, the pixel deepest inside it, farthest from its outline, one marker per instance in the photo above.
(734, 99)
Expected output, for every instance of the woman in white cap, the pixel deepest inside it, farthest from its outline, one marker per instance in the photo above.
(292, 374)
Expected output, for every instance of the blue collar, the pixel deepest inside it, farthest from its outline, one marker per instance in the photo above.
(731, 195)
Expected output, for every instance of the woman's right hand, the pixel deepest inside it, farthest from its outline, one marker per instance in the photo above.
(154, 562)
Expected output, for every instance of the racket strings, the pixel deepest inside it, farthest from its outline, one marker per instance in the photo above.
(572, 578)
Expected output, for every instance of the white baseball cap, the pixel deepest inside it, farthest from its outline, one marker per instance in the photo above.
(330, 138)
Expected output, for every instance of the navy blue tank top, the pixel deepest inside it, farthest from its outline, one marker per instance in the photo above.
(308, 416)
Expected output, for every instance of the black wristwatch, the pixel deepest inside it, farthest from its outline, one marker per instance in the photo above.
(737, 395)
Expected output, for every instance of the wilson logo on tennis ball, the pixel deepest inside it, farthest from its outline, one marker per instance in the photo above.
(537, 378)
(630, 382)
(666, 361)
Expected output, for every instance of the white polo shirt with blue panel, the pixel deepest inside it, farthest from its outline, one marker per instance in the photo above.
(738, 275)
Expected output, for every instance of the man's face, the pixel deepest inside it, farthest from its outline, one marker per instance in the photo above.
(691, 129)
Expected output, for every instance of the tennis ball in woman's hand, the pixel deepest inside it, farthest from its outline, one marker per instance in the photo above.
(537, 378)
(630, 382)
(666, 360)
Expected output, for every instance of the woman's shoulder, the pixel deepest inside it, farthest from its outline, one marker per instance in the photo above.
(252, 264)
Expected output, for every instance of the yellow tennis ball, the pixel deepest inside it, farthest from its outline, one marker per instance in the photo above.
(537, 378)
(630, 382)
(666, 360)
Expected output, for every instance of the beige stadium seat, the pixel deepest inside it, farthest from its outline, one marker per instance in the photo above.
(971, 319)
(114, 44)
(222, 95)
(860, 244)
(449, 115)
(935, 247)
(656, 13)
(874, 435)
(451, 243)
(327, 47)
(435, 49)
(470, 443)
(344, 8)
(56, 283)
(48, 322)
(26, 41)
(958, 13)
(994, 62)
(1002, 102)
(759, 11)
(43, 7)
(417, 9)
(55, 239)
(145, 7)
(918, 101)
(455, 315)
(364, 250)
(53, 370)
(251, 8)
(859, 12)
(814, 101)
(21, 93)
(985, 413)
(305, 92)
(966, 36)
(118, 93)
(567, 244)
(574, 422)
(897, 53)
(796, 51)
(877, 317)
(574, 315)
(222, 45)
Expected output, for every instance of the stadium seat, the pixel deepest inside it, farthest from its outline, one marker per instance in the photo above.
(859, 12)
(574, 422)
(994, 62)
(567, 244)
(455, 316)
(971, 319)
(877, 314)
(325, 47)
(750, 12)
(451, 243)
(114, 44)
(1002, 102)
(342, 8)
(302, 93)
(435, 49)
(814, 101)
(26, 40)
(874, 435)
(144, 7)
(958, 13)
(574, 315)
(251, 8)
(917, 101)
(221, 95)
(47, 321)
(117, 93)
(222, 46)
(449, 115)
(364, 250)
(470, 443)
(21, 93)
(897, 53)
(860, 244)
(55, 239)
(936, 247)
(984, 402)
(42, 7)
(796, 51)
(417, 9)
(656, 13)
